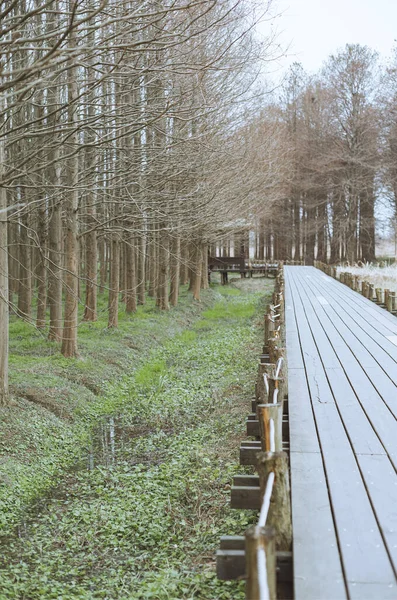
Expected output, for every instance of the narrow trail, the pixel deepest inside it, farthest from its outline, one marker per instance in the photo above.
(142, 519)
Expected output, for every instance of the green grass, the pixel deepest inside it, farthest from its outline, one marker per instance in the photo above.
(145, 522)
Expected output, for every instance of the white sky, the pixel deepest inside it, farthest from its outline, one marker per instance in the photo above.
(316, 28)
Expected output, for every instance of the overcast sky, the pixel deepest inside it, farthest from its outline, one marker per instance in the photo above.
(316, 28)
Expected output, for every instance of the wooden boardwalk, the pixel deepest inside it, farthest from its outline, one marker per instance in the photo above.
(342, 382)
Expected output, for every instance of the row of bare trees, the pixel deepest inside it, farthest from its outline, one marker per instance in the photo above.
(340, 127)
(128, 138)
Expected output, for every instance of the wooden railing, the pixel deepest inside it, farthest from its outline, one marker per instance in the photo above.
(384, 297)
(263, 555)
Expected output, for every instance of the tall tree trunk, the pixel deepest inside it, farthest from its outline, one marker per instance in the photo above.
(13, 260)
(336, 239)
(114, 282)
(204, 268)
(261, 240)
(152, 262)
(310, 235)
(321, 239)
(25, 270)
(4, 312)
(131, 296)
(141, 271)
(55, 272)
(163, 269)
(367, 224)
(175, 262)
(41, 271)
(184, 273)
(297, 228)
(69, 337)
(196, 272)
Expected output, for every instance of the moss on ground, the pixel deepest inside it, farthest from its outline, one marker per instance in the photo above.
(144, 520)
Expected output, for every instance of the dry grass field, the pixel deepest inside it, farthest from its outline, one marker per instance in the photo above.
(382, 277)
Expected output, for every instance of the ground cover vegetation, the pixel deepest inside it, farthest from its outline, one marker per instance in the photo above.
(141, 513)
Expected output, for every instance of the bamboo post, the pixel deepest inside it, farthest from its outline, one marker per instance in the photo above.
(260, 557)
(280, 503)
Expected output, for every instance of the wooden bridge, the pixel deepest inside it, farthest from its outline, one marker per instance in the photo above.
(338, 429)
(342, 397)
(241, 265)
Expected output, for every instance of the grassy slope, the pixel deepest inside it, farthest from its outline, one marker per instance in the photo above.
(145, 522)
(56, 401)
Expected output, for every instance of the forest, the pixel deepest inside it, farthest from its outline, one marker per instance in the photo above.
(137, 139)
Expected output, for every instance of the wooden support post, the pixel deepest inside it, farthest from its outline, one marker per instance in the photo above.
(371, 291)
(278, 352)
(261, 392)
(260, 557)
(276, 383)
(265, 413)
(280, 503)
(391, 302)
(379, 295)
(387, 292)
(269, 328)
(272, 345)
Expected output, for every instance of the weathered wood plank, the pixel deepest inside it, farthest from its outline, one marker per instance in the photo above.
(245, 497)
(317, 564)
(340, 354)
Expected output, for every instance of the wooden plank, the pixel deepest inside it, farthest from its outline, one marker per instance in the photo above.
(246, 480)
(364, 381)
(359, 429)
(245, 497)
(381, 480)
(317, 566)
(232, 542)
(362, 333)
(302, 428)
(364, 556)
(230, 564)
(252, 428)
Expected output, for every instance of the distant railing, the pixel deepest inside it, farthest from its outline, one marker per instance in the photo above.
(381, 296)
(263, 555)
